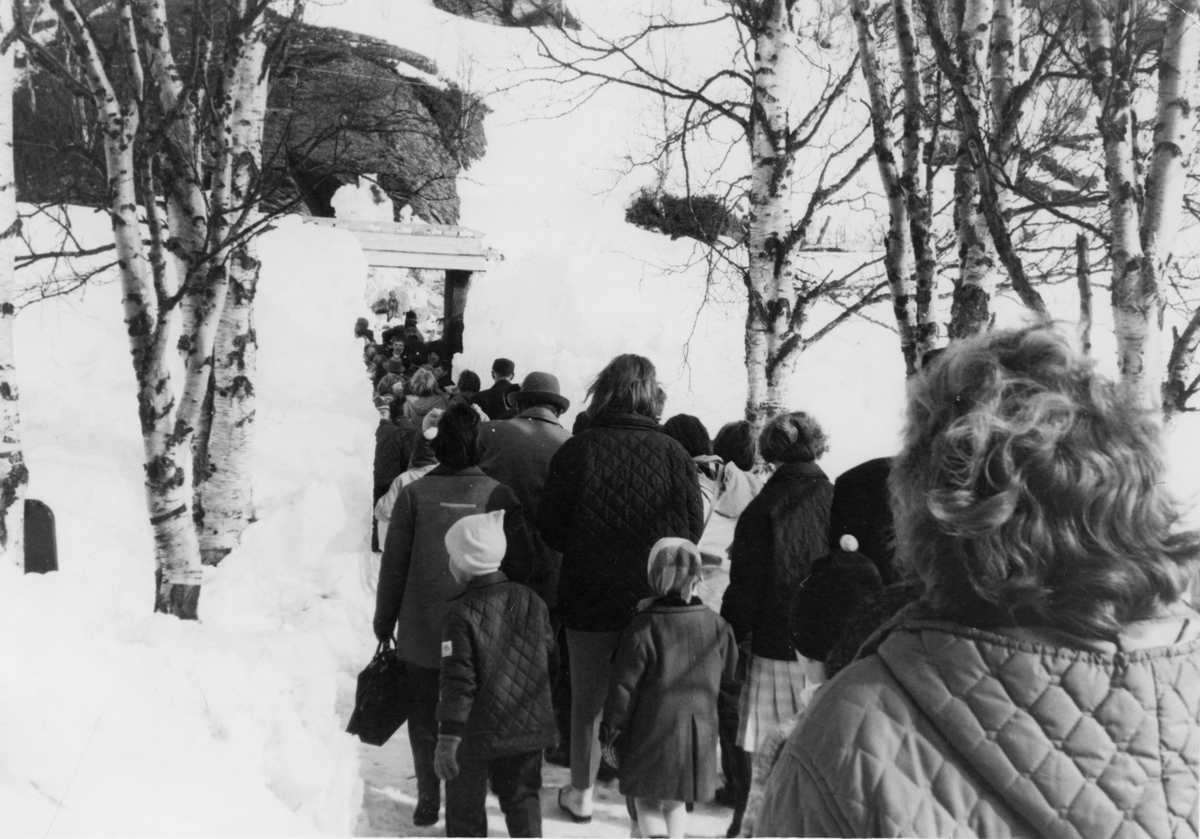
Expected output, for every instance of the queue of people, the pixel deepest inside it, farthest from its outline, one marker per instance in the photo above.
(971, 637)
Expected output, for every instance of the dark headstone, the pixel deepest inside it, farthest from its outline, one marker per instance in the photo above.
(41, 544)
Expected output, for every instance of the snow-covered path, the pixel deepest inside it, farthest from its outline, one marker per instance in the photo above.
(390, 794)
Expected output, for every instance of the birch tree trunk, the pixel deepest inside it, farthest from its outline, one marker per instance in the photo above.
(13, 474)
(224, 496)
(1141, 247)
(1002, 67)
(771, 273)
(898, 248)
(197, 226)
(178, 573)
(970, 310)
(920, 212)
(1166, 180)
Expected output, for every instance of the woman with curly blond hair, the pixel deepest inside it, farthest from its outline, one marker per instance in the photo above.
(1047, 683)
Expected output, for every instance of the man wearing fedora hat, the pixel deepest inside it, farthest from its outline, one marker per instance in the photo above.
(517, 452)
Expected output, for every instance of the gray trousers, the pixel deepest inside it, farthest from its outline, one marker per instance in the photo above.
(591, 655)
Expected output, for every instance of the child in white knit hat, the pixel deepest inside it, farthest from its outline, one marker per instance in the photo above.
(494, 713)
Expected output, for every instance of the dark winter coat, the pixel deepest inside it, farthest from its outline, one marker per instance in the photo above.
(393, 449)
(827, 599)
(862, 507)
(613, 491)
(517, 453)
(778, 536)
(950, 730)
(495, 683)
(415, 585)
(662, 699)
(491, 400)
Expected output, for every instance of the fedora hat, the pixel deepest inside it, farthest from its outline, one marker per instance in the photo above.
(538, 387)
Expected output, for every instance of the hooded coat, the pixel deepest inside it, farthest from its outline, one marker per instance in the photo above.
(950, 730)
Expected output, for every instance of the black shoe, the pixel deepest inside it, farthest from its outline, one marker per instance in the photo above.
(725, 798)
(735, 828)
(558, 755)
(426, 812)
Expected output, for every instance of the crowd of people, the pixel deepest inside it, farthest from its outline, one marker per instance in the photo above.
(991, 633)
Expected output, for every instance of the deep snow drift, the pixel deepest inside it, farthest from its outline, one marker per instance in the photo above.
(117, 721)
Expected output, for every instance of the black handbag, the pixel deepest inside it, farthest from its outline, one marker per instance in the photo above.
(381, 701)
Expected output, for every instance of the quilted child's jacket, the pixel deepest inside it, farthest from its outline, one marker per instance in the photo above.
(954, 731)
(495, 679)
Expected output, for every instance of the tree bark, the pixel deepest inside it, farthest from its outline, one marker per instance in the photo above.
(920, 213)
(1083, 279)
(178, 573)
(1166, 180)
(13, 475)
(1182, 379)
(224, 495)
(198, 226)
(970, 311)
(1141, 247)
(770, 359)
(898, 246)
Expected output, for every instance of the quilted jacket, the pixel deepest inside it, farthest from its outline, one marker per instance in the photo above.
(778, 537)
(612, 492)
(955, 731)
(495, 682)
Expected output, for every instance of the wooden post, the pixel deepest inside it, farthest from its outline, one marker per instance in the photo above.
(454, 304)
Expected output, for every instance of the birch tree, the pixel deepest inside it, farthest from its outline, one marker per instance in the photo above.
(771, 110)
(1144, 217)
(13, 474)
(164, 132)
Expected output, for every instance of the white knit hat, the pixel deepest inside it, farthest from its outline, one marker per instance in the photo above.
(476, 544)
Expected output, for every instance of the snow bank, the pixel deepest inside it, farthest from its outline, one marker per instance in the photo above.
(117, 721)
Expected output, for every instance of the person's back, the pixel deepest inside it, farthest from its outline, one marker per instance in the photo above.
(862, 508)
(492, 401)
(1047, 680)
(517, 453)
(612, 492)
(665, 703)
(493, 713)
(500, 631)
(660, 714)
(1026, 736)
